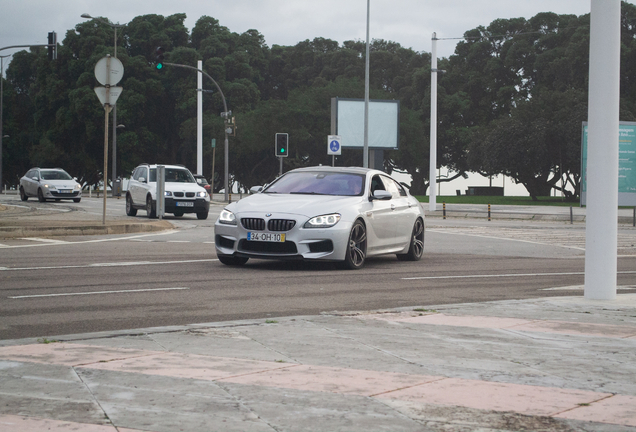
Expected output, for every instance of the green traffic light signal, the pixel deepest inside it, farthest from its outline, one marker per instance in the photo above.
(159, 58)
(282, 145)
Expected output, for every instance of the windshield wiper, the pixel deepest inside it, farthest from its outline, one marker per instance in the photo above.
(308, 193)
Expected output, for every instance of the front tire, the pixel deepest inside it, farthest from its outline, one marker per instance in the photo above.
(41, 196)
(232, 261)
(150, 209)
(130, 210)
(23, 196)
(77, 200)
(202, 215)
(416, 248)
(356, 253)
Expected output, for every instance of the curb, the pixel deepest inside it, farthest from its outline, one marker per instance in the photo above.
(83, 229)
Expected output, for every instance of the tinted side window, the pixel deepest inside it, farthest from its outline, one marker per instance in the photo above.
(377, 184)
(140, 172)
(400, 188)
(391, 186)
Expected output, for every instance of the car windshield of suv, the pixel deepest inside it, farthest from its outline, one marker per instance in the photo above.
(55, 175)
(318, 183)
(173, 175)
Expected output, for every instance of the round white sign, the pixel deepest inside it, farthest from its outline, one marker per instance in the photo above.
(109, 71)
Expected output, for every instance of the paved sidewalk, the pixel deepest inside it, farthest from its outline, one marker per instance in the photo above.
(20, 220)
(552, 364)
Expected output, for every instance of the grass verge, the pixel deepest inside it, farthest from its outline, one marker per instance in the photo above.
(502, 200)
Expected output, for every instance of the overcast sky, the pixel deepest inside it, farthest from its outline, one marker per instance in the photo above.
(286, 22)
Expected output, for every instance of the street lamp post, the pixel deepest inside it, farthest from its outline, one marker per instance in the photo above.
(1, 114)
(226, 117)
(114, 157)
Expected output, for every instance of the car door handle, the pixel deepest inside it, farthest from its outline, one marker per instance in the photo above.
(392, 206)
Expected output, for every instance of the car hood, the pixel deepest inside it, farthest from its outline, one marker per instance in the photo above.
(304, 205)
(61, 184)
(180, 186)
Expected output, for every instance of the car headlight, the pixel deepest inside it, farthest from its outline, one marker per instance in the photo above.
(49, 187)
(77, 187)
(324, 221)
(167, 193)
(202, 194)
(227, 217)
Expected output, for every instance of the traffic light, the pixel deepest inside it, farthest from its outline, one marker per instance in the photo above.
(282, 145)
(159, 58)
(52, 46)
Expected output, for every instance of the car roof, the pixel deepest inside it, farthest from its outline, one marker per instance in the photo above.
(166, 165)
(352, 170)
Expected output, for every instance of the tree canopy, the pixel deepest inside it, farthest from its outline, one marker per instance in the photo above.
(511, 101)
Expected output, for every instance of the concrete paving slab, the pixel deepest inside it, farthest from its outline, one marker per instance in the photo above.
(12, 423)
(289, 410)
(164, 403)
(483, 395)
(544, 365)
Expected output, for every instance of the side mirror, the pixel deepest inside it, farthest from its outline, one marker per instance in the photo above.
(142, 179)
(256, 189)
(381, 195)
(35, 178)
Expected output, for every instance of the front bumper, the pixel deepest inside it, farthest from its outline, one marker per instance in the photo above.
(199, 205)
(57, 194)
(325, 244)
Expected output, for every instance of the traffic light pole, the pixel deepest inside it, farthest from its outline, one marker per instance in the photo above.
(225, 116)
(54, 46)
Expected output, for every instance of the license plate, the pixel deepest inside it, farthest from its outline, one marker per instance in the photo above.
(266, 237)
(184, 204)
(66, 190)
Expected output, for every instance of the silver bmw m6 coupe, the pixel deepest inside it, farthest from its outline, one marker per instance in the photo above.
(323, 213)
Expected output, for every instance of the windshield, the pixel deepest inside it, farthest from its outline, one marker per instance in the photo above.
(173, 175)
(318, 183)
(55, 175)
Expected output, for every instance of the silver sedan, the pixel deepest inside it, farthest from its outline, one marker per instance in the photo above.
(342, 215)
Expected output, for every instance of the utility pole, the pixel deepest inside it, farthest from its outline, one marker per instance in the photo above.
(227, 115)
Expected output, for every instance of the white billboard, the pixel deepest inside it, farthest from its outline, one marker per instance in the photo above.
(384, 121)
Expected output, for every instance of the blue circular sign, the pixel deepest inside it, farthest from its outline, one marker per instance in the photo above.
(334, 146)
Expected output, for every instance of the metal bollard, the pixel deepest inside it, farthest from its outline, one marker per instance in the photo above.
(444, 210)
(488, 212)
(571, 216)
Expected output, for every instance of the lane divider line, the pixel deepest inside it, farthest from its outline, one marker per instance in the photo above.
(505, 275)
(98, 292)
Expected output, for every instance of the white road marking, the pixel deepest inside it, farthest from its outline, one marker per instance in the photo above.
(472, 232)
(134, 237)
(98, 292)
(114, 264)
(504, 275)
(582, 287)
(43, 240)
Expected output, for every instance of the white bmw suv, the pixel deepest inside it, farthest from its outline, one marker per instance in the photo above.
(182, 193)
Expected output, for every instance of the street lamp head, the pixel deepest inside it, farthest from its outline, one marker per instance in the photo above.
(85, 15)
